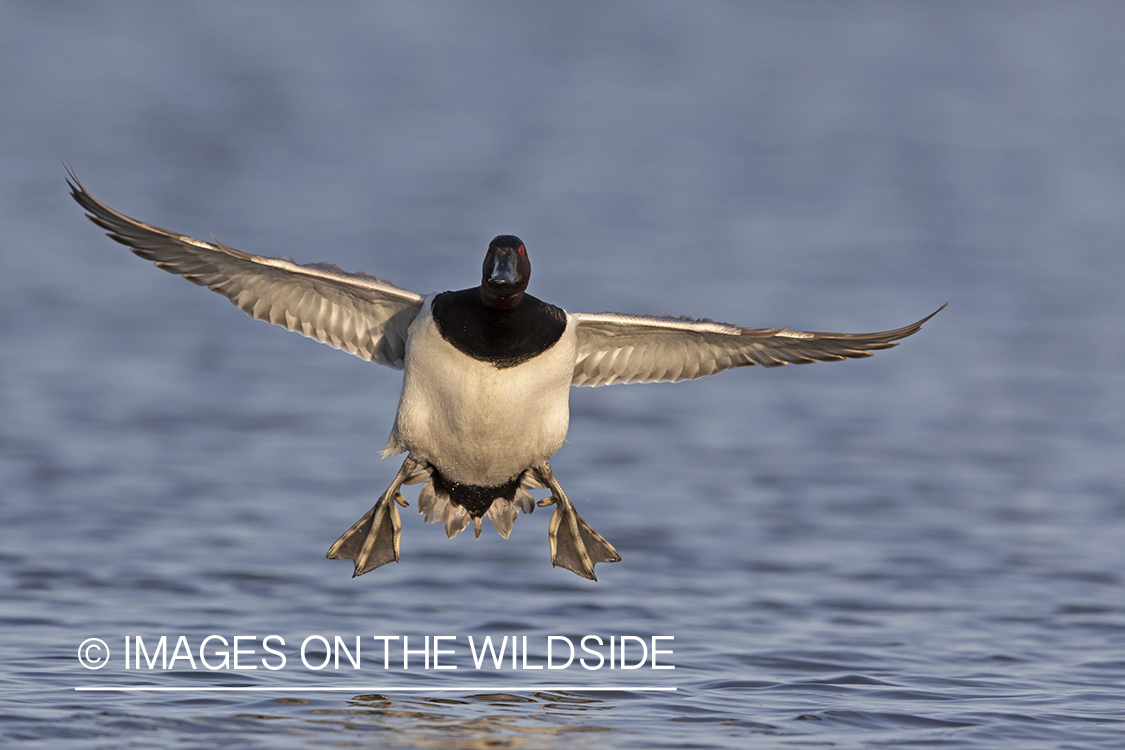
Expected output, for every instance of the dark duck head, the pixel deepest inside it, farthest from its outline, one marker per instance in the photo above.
(507, 270)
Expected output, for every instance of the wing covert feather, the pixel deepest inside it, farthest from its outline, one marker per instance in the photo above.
(355, 312)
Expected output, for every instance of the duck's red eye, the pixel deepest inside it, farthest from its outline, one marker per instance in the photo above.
(521, 250)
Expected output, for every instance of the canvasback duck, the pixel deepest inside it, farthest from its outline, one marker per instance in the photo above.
(487, 373)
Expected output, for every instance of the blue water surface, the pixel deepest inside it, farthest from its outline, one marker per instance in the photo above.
(923, 549)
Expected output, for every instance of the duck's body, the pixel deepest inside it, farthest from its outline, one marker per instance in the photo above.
(488, 371)
(480, 415)
(473, 419)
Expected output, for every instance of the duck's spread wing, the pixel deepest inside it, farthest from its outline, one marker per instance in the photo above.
(615, 348)
(362, 315)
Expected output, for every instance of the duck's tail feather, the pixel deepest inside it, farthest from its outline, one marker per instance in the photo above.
(437, 506)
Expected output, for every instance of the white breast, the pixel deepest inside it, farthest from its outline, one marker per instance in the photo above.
(476, 423)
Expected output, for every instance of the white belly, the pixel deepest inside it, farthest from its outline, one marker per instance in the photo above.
(475, 423)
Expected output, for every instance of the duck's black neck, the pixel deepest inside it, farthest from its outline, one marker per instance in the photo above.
(504, 338)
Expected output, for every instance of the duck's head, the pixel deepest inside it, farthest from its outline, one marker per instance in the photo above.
(506, 273)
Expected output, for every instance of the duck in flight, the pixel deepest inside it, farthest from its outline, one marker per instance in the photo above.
(487, 373)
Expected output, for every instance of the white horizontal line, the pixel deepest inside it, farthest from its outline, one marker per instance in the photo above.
(372, 689)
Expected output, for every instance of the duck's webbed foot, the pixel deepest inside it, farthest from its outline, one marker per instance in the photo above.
(574, 545)
(374, 539)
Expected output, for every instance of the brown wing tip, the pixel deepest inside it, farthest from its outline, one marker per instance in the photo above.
(96, 211)
(77, 189)
(884, 339)
(935, 312)
(71, 178)
(913, 328)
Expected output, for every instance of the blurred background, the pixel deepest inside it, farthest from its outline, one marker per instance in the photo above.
(921, 546)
